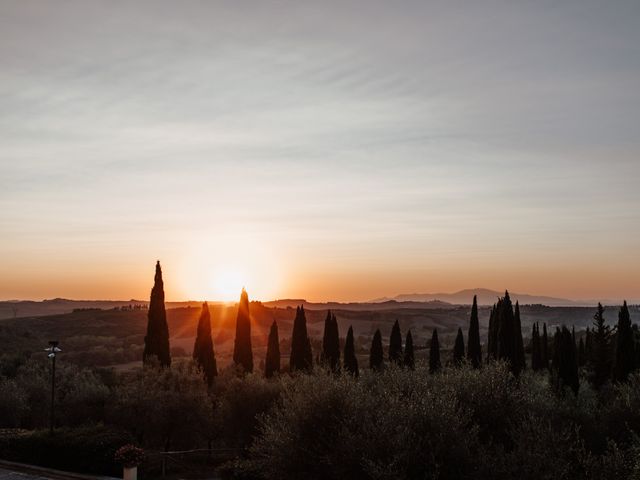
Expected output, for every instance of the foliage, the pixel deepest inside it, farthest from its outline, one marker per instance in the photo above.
(409, 357)
(88, 449)
(458, 348)
(129, 455)
(625, 355)
(164, 407)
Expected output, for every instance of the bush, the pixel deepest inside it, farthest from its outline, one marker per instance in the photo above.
(83, 450)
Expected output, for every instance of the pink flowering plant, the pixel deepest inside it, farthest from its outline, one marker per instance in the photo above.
(129, 455)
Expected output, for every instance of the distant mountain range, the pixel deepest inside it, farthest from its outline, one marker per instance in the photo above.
(30, 308)
(485, 297)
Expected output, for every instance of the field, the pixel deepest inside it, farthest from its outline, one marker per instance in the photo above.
(115, 337)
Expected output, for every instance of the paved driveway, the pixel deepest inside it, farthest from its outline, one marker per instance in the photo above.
(12, 475)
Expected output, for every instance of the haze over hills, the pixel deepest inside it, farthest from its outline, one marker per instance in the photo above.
(486, 297)
(26, 308)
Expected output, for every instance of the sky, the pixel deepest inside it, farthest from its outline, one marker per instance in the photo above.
(333, 150)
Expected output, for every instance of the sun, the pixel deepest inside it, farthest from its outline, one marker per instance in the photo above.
(227, 283)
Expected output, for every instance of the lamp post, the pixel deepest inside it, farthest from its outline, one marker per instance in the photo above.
(53, 351)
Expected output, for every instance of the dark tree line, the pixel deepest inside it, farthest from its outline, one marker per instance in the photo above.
(606, 353)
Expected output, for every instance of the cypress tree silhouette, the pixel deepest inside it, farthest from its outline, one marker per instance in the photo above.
(242, 352)
(203, 353)
(492, 337)
(582, 357)
(519, 363)
(588, 347)
(350, 360)
(544, 350)
(458, 348)
(625, 358)
(506, 332)
(565, 365)
(331, 343)
(409, 359)
(156, 342)
(301, 358)
(474, 350)
(272, 360)
(535, 348)
(601, 337)
(376, 355)
(434, 353)
(395, 344)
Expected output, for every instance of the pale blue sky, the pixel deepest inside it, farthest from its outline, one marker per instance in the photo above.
(327, 150)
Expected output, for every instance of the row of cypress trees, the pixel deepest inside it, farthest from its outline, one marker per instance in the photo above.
(608, 353)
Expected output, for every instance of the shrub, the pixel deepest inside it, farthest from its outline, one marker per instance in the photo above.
(87, 449)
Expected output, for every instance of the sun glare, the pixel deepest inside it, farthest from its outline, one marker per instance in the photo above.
(227, 285)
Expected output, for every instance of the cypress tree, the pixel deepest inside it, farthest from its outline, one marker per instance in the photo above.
(625, 357)
(409, 359)
(203, 348)
(544, 350)
(519, 363)
(535, 348)
(395, 344)
(272, 361)
(156, 342)
(242, 352)
(565, 365)
(601, 338)
(588, 347)
(434, 353)
(350, 360)
(506, 331)
(474, 350)
(458, 348)
(492, 337)
(331, 343)
(582, 357)
(301, 357)
(376, 355)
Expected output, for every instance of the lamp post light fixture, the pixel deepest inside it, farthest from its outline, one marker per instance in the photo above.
(53, 350)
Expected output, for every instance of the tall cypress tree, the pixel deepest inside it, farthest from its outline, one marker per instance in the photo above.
(544, 350)
(506, 331)
(203, 353)
(434, 353)
(588, 347)
(519, 363)
(301, 358)
(565, 365)
(458, 348)
(582, 357)
(625, 357)
(242, 352)
(409, 359)
(601, 356)
(492, 337)
(272, 361)
(156, 342)
(535, 348)
(331, 343)
(350, 359)
(395, 344)
(474, 350)
(376, 354)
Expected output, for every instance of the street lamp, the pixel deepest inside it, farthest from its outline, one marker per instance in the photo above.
(53, 351)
